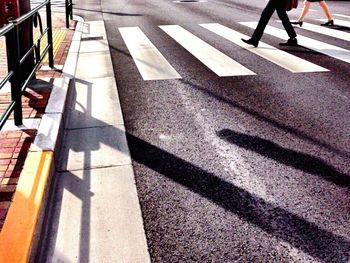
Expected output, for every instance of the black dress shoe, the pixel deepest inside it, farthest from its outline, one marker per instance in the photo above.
(300, 23)
(290, 42)
(329, 23)
(250, 42)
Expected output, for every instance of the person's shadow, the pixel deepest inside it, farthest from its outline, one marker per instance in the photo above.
(297, 160)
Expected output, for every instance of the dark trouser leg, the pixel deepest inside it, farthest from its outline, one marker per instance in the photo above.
(264, 19)
(282, 14)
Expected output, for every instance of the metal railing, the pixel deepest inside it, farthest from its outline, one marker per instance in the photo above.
(69, 11)
(15, 61)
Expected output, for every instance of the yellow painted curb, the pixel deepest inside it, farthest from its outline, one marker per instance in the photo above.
(17, 234)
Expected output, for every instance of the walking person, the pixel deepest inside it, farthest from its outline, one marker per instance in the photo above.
(271, 7)
(306, 8)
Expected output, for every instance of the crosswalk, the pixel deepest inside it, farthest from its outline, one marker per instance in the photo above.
(150, 62)
(318, 46)
(215, 60)
(326, 31)
(343, 16)
(152, 65)
(283, 59)
(339, 22)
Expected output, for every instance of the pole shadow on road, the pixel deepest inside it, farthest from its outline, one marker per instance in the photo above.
(297, 160)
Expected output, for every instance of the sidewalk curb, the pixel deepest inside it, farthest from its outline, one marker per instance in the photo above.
(23, 226)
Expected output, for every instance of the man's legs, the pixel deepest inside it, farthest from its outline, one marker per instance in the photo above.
(264, 19)
(271, 6)
(282, 14)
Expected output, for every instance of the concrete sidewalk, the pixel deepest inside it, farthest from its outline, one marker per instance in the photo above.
(95, 214)
(76, 193)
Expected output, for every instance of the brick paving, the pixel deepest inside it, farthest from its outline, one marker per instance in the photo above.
(33, 103)
(15, 145)
(13, 152)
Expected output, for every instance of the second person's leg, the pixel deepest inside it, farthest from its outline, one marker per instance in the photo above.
(327, 13)
(304, 12)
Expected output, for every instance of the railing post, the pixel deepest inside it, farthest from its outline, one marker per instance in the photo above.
(49, 33)
(67, 14)
(13, 59)
(69, 11)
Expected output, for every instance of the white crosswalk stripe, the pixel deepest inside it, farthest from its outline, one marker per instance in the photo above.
(327, 31)
(215, 60)
(277, 56)
(149, 61)
(321, 47)
(340, 15)
(337, 22)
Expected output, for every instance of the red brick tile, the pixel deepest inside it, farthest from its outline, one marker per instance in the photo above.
(4, 150)
(5, 155)
(3, 167)
(9, 140)
(5, 161)
(14, 134)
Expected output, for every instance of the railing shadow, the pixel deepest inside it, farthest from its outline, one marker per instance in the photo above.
(77, 186)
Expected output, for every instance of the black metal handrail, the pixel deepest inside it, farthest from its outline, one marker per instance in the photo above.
(3, 31)
(15, 60)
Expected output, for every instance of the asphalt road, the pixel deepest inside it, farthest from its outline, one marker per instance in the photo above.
(250, 168)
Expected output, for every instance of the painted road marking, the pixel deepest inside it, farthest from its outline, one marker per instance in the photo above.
(277, 56)
(214, 59)
(327, 49)
(326, 31)
(150, 62)
(337, 22)
(342, 15)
